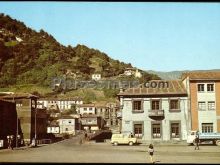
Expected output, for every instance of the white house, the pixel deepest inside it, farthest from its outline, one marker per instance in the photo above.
(61, 103)
(153, 114)
(96, 76)
(86, 109)
(67, 124)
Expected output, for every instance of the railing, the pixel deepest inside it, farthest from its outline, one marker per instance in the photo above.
(156, 113)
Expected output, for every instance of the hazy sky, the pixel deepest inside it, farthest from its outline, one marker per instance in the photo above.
(151, 36)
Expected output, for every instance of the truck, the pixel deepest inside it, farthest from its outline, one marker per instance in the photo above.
(123, 139)
(204, 137)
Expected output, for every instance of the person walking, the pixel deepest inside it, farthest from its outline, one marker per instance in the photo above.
(197, 142)
(151, 152)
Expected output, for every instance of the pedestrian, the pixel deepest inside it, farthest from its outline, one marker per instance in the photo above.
(12, 142)
(197, 142)
(85, 136)
(151, 152)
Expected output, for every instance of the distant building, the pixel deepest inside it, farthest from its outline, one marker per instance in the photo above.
(61, 103)
(132, 71)
(86, 109)
(96, 76)
(53, 127)
(91, 122)
(67, 125)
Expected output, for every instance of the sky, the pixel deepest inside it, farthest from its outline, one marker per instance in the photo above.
(161, 36)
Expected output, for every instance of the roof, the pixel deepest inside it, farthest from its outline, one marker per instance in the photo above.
(203, 75)
(174, 87)
(66, 117)
(62, 99)
(19, 96)
(87, 105)
(7, 101)
(88, 115)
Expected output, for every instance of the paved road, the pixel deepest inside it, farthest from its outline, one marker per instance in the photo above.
(71, 151)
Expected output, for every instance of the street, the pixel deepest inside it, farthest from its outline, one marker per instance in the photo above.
(71, 151)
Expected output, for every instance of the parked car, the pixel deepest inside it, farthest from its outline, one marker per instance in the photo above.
(123, 139)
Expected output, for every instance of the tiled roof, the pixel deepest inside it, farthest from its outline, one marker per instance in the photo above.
(174, 87)
(202, 75)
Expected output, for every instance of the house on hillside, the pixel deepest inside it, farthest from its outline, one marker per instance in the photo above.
(96, 76)
(86, 109)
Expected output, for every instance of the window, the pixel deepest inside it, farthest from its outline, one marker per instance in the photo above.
(84, 109)
(211, 105)
(174, 105)
(138, 130)
(66, 129)
(137, 105)
(210, 87)
(202, 106)
(156, 130)
(155, 105)
(90, 109)
(207, 127)
(201, 87)
(175, 130)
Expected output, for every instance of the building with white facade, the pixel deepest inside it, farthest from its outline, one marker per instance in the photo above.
(86, 109)
(96, 76)
(61, 103)
(153, 114)
(67, 125)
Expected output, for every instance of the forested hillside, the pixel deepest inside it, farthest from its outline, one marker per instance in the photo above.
(31, 57)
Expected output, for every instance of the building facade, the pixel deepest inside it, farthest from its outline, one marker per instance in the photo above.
(155, 113)
(60, 103)
(9, 124)
(33, 121)
(86, 109)
(67, 124)
(204, 100)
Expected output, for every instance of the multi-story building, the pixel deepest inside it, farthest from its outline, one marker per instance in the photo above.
(67, 125)
(86, 109)
(8, 122)
(60, 103)
(91, 122)
(204, 100)
(33, 121)
(156, 113)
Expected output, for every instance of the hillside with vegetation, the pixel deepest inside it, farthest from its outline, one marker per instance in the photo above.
(31, 59)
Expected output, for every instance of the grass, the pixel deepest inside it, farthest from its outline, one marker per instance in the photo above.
(11, 43)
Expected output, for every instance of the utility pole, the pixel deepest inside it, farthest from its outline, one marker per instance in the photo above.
(35, 129)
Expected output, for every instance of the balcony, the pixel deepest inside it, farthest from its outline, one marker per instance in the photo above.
(156, 114)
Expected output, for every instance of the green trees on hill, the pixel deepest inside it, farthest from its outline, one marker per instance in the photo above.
(39, 57)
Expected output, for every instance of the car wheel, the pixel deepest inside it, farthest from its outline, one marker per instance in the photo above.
(130, 143)
(115, 143)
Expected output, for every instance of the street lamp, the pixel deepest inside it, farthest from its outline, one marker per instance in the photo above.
(34, 106)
